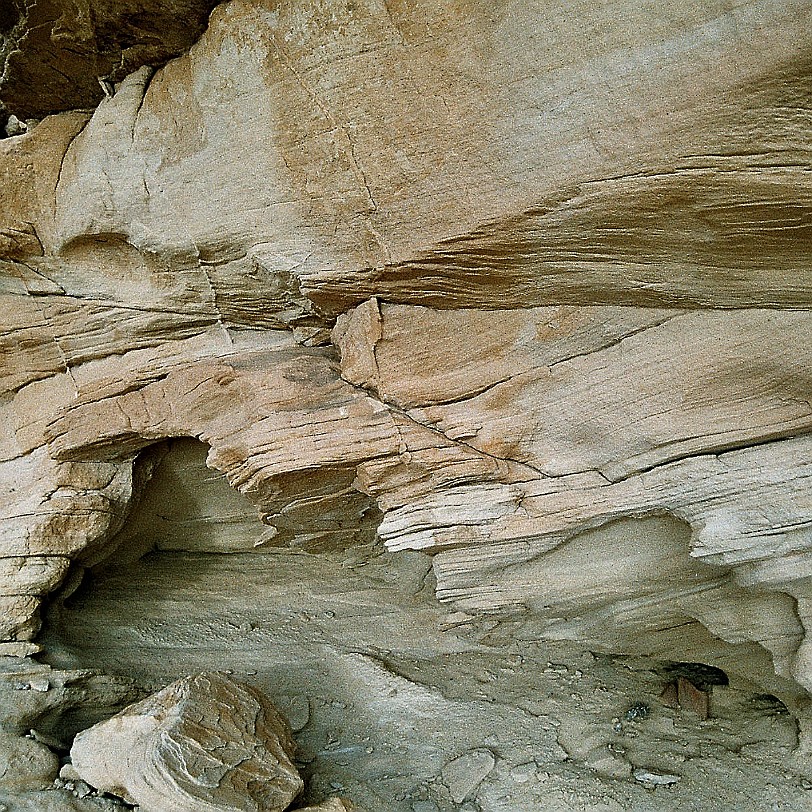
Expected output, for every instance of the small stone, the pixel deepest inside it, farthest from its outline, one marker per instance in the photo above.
(522, 773)
(637, 712)
(465, 773)
(692, 699)
(670, 696)
(81, 789)
(40, 684)
(26, 765)
(15, 127)
(68, 773)
(604, 762)
(654, 779)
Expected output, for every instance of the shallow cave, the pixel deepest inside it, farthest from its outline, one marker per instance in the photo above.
(382, 683)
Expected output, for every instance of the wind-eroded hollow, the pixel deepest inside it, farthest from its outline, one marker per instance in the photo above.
(196, 579)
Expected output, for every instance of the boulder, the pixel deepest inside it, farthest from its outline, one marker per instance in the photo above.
(205, 743)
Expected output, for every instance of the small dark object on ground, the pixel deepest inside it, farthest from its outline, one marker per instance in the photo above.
(637, 712)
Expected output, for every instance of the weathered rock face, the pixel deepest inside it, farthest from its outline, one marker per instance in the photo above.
(202, 744)
(488, 322)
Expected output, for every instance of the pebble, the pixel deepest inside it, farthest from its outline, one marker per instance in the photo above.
(15, 127)
(68, 773)
(607, 763)
(82, 789)
(465, 773)
(522, 773)
(655, 779)
(40, 684)
(638, 711)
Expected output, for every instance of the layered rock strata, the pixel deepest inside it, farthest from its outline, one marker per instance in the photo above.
(520, 289)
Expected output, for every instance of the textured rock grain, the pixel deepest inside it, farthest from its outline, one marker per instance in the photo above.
(487, 321)
(202, 744)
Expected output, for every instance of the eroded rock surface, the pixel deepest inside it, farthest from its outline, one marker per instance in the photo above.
(364, 341)
(202, 744)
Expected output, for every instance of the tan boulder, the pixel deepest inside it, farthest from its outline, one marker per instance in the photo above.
(202, 744)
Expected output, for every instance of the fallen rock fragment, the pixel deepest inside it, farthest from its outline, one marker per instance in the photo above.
(669, 696)
(637, 712)
(465, 773)
(202, 744)
(685, 695)
(26, 765)
(607, 763)
(653, 779)
(691, 698)
(522, 773)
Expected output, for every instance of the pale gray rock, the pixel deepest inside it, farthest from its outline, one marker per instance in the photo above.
(14, 126)
(465, 773)
(655, 779)
(202, 744)
(607, 763)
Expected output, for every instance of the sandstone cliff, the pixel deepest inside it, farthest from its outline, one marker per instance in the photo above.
(391, 354)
